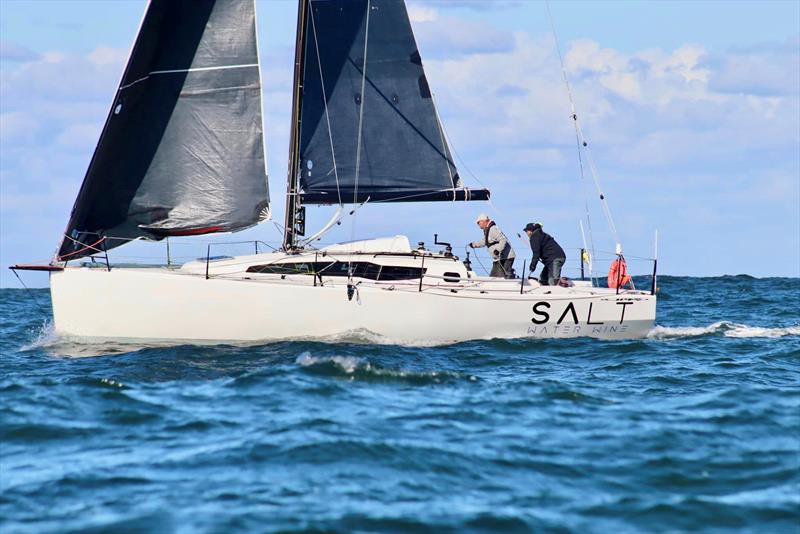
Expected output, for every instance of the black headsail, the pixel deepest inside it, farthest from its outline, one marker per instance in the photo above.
(182, 150)
(385, 145)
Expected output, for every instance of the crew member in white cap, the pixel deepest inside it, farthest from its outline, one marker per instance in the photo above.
(498, 245)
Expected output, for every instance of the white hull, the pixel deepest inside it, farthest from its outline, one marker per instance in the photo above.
(182, 305)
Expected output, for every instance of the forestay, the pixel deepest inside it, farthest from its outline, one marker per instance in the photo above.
(182, 150)
(403, 154)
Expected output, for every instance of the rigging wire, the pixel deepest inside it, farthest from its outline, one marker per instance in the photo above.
(583, 188)
(581, 140)
(447, 159)
(361, 105)
(574, 117)
(360, 126)
(30, 292)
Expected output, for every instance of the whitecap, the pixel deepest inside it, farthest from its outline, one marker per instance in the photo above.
(353, 365)
(725, 328)
(665, 332)
(740, 330)
(348, 364)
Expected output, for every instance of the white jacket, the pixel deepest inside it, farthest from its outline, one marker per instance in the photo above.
(499, 247)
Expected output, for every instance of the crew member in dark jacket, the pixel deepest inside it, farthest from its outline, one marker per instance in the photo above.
(545, 248)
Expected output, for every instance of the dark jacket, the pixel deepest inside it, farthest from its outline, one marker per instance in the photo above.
(544, 248)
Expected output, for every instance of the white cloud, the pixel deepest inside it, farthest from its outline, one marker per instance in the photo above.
(445, 37)
(477, 5)
(105, 55)
(62, 78)
(53, 107)
(645, 108)
(647, 75)
(420, 13)
(765, 70)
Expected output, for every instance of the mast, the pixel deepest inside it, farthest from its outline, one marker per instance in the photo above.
(295, 213)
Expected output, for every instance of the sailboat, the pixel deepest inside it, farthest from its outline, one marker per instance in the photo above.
(182, 153)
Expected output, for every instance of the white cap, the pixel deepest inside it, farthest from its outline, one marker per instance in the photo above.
(482, 217)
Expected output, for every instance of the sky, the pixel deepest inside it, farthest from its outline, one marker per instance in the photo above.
(691, 111)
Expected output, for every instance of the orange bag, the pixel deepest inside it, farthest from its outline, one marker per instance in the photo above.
(618, 274)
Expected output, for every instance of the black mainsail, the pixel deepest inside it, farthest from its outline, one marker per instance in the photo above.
(182, 150)
(385, 145)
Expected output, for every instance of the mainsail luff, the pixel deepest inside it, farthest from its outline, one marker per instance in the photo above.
(294, 214)
(181, 152)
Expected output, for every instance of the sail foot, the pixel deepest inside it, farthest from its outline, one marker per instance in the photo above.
(349, 196)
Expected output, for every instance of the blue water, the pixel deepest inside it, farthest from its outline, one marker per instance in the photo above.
(695, 429)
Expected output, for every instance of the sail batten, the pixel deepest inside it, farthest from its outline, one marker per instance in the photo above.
(182, 150)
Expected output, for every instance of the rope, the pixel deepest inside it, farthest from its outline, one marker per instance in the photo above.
(475, 251)
(325, 101)
(33, 296)
(582, 144)
(84, 245)
(403, 197)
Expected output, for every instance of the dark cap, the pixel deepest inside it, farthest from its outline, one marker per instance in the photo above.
(530, 227)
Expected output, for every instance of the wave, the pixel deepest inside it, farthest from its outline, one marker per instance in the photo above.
(725, 328)
(348, 364)
(355, 367)
(362, 336)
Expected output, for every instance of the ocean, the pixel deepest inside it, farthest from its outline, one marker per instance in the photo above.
(695, 429)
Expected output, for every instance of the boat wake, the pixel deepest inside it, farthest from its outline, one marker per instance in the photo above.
(356, 368)
(43, 337)
(47, 339)
(722, 327)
